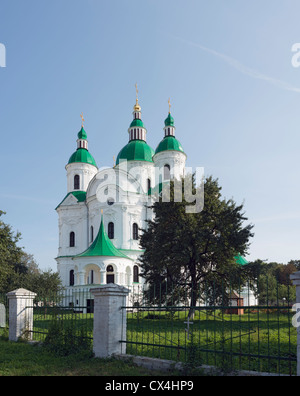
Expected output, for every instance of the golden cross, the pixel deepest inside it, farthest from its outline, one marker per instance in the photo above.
(81, 115)
(169, 106)
(137, 92)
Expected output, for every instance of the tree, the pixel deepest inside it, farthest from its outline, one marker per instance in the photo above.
(19, 269)
(190, 251)
(10, 254)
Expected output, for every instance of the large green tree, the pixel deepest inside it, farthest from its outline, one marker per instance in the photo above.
(193, 253)
(10, 254)
(19, 269)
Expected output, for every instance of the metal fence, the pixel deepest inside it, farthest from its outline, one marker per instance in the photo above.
(233, 326)
(246, 328)
(64, 318)
(4, 314)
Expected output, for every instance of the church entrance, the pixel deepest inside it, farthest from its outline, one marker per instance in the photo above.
(89, 306)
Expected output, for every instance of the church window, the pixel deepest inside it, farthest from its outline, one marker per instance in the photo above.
(135, 231)
(111, 230)
(148, 184)
(167, 172)
(110, 276)
(76, 182)
(92, 233)
(110, 201)
(72, 279)
(136, 274)
(72, 239)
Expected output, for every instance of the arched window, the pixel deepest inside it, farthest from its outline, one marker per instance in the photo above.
(136, 274)
(111, 230)
(167, 172)
(148, 184)
(92, 234)
(72, 239)
(72, 278)
(135, 231)
(110, 276)
(76, 182)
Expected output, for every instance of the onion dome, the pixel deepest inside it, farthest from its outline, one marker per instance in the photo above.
(169, 143)
(137, 149)
(82, 154)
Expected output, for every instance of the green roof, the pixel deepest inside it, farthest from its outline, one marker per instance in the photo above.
(241, 260)
(136, 150)
(169, 121)
(82, 155)
(79, 195)
(137, 123)
(169, 143)
(102, 246)
(82, 134)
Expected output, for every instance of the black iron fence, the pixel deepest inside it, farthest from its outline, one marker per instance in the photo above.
(246, 328)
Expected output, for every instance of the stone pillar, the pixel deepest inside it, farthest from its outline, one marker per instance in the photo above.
(81, 278)
(20, 313)
(109, 320)
(296, 281)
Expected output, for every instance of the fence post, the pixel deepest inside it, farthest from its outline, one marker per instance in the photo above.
(20, 313)
(296, 281)
(109, 319)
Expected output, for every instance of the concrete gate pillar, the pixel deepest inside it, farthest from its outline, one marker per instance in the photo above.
(296, 281)
(109, 319)
(20, 313)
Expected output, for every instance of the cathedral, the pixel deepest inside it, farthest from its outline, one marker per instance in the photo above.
(104, 211)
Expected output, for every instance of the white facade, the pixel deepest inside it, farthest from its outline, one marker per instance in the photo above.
(121, 193)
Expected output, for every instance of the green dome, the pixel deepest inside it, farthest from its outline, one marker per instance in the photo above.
(136, 150)
(169, 143)
(169, 121)
(82, 155)
(137, 123)
(82, 134)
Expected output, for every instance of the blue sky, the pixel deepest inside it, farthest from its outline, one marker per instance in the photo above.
(226, 65)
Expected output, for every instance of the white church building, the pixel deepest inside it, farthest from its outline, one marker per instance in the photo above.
(102, 215)
(104, 211)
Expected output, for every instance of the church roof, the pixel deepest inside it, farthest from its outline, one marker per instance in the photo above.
(169, 143)
(136, 150)
(169, 121)
(79, 195)
(102, 246)
(82, 155)
(82, 134)
(241, 260)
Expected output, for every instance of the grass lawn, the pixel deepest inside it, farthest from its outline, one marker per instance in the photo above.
(22, 359)
(257, 341)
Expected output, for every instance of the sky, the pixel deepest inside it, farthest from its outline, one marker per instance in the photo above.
(226, 66)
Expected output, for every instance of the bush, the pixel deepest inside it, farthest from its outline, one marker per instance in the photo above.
(63, 339)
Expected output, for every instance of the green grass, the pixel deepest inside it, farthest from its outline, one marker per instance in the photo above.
(23, 359)
(260, 341)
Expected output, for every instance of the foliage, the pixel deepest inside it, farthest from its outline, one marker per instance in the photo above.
(64, 340)
(19, 269)
(184, 249)
(271, 281)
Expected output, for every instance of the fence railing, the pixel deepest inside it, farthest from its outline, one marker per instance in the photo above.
(222, 331)
(4, 314)
(231, 327)
(68, 314)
